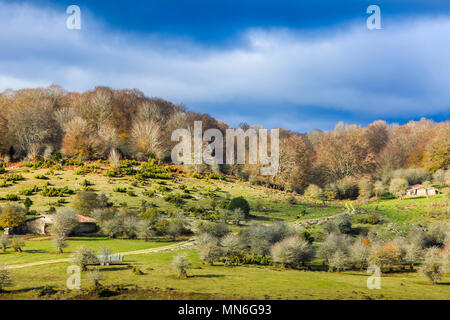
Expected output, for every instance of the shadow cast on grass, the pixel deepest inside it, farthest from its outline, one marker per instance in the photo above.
(34, 251)
(206, 276)
(114, 268)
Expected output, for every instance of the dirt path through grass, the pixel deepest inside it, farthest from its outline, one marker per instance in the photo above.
(171, 247)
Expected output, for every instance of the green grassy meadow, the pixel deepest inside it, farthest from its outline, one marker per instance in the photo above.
(209, 282)
(218, 282)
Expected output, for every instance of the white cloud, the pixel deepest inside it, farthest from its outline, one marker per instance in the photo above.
(403, 68)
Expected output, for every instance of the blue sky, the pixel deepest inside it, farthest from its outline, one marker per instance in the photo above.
(296, 64)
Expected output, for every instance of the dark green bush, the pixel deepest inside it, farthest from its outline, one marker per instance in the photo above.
(12, 197)
(240, 203)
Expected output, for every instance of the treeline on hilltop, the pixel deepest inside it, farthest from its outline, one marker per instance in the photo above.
(102, 123)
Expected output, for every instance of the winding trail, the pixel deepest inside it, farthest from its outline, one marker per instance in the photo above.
(172, 247)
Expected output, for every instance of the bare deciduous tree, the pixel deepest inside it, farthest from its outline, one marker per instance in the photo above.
(146, 137)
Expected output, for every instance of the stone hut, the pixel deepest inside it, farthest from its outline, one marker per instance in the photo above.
(41, 225)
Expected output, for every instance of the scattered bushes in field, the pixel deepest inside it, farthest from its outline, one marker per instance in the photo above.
(29, 192)
(144, 230)
(86, 202)
(17, 244)
(241, 203)
(314, 192)
(259, 238)
(41, 177)
(13, 177)
(84, 256)
(174, 199)
(141, 171)
(163, 188)
(434, 236)
(181, 264)
(332, 244)
(5, 278)
(379, 189)
(341, 224)
(412, 175)
(237, 216)
(4, 242)
(56, 192)
(433, 266)
(136, 271)
(293, 251)
(368, 218)
(95, 277)
(149, 193)
(338, 261)
(11, 216)
(64, 221)
(232, 245)
(131, 193)
(398, 187)
(12, 197)
(40, 163)
(210, 253)
(177, 227)
(347, 188)
(46, 291)
(256, 260)
(365, 189)
(217, 230)
(359, 253)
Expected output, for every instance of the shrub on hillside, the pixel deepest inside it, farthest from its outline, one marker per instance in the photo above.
(398, 187)
(359, 253)
(86, 202)
(338, 261)
(432, 267)
(84, 256)
(333, 243)
(216, 229)
(314, 192)
(181, 264)
(210, 253)
(241, 203)
(343, 223)
(365, 187)
(434, 236)
(368, 218)
(5, 278)
(259, 238)
(17, 244)
(12, 216)
(348, 188)
(4, 242)
(293, 251)
(232, 245)
(412, 175)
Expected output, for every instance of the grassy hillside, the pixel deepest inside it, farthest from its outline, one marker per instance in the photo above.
(219, 282)
(209, 282)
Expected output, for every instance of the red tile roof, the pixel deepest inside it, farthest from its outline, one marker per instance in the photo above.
(82, 219)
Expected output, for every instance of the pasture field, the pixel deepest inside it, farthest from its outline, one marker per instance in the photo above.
(208, 282)
(219, 282)
(41, 248)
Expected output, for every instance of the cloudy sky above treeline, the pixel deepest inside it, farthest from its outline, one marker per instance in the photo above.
(301, 65)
